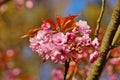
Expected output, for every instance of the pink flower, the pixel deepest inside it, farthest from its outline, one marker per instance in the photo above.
(57, 74)
(16, 71)
(77, 57)
(20, 2)
(109, 68)
(94, 56)
(12, 74)
(34, 44)
(46, 50)
(10, 53)
(45, 26)
(95, 43)
(59, 47)
(10, 65)
(66, 48)
(114, 60)
(113, 77)
(59, 38)
(70, 37)
(75, 30)
(83, 28)
(55, 55)
(85, 40)
(44, 36)
(29, 4)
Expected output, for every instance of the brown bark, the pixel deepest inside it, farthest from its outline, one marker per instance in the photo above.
(98, 65)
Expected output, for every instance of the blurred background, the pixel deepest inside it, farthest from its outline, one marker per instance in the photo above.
(17, 61)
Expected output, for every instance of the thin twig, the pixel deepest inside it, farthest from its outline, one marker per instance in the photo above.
(100, 18)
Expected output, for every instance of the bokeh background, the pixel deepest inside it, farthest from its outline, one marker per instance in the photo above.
(18, 16)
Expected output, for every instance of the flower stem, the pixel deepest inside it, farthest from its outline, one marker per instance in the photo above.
(66, 68)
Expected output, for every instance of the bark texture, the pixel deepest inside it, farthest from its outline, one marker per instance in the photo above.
(99, 64)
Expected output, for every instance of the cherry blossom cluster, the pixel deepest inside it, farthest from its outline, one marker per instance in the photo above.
(57, 74)
(59, 47)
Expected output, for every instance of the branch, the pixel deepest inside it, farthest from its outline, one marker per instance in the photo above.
(100, 18)
(99, 64)
(116, 40)
(66, 68)
(116, 45)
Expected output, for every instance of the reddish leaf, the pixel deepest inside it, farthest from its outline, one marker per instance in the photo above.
(67, 23)
(31, 32)
(60, 21)
(72, 17)
(64, 24)
(68, 26)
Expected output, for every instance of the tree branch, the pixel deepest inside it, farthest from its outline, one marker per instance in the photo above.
(116, 40)
(100, 18)
(99, 64)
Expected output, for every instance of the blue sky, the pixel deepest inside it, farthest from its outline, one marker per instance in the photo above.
(75, 6)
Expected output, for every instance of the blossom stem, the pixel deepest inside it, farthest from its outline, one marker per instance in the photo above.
(66, 68)
(100, 18)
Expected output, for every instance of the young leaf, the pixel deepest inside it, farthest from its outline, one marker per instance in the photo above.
(67, 23)
(31, 32)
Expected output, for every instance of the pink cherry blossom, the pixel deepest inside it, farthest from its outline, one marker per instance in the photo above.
(95, 43)
(109, 68)
(114, 60)
(70, 37)
(55, 55)
(20, 2)
(47, 50)
(34, 44)
(12, 74)
(44, 36)
(83, 28)
(45, 26)
(66, 48)
(10, 65)
(94, 56)
(59, 38)
(85, 40)
(10, 53)
(111, 74)
(75, 30)
(113, 77)
(29, 4)
(58, 47)
(16, 71)
(57, 74)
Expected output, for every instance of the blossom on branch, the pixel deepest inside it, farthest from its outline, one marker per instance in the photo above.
(67, 39)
